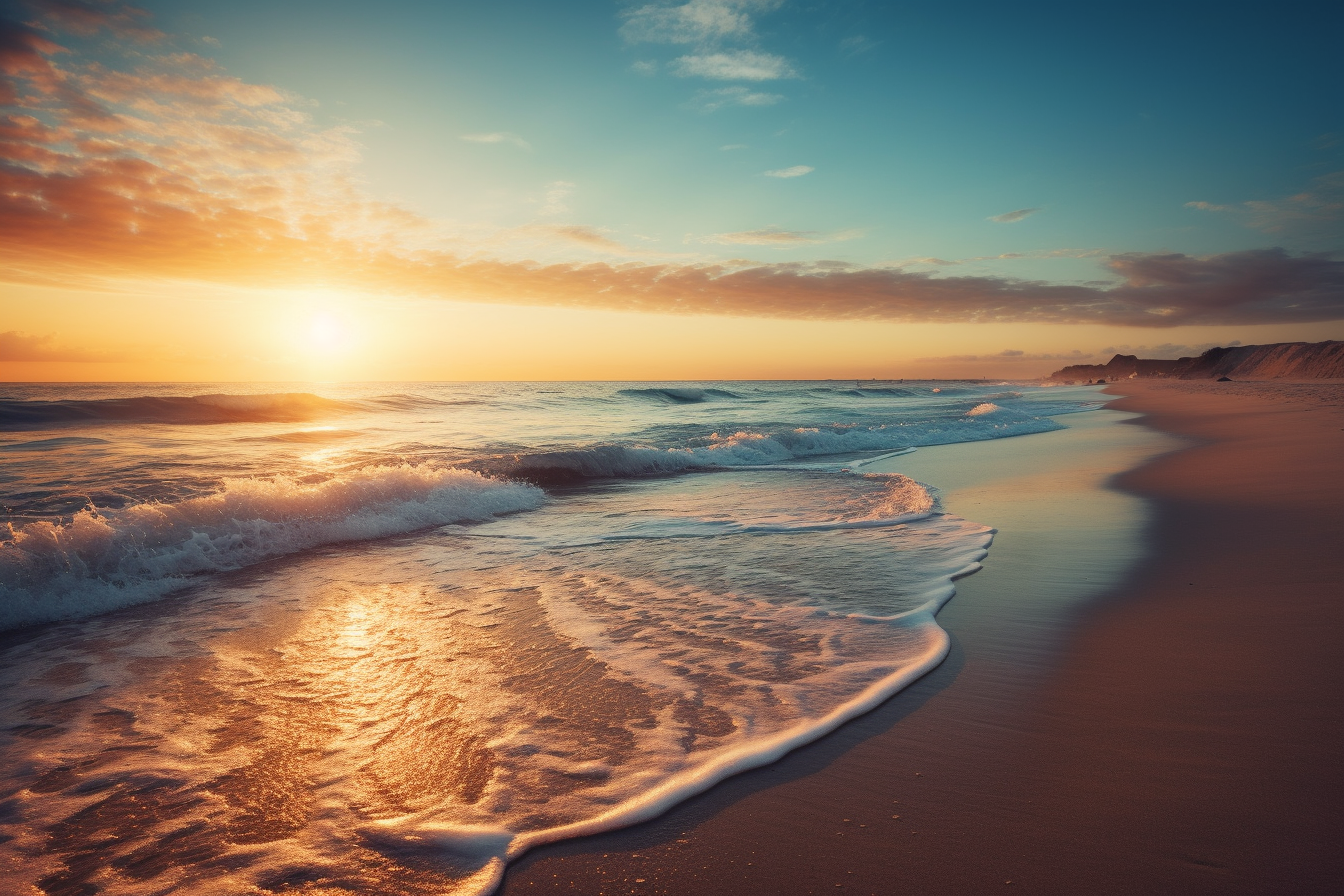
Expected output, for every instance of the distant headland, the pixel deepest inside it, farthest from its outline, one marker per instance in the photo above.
(1282, 360)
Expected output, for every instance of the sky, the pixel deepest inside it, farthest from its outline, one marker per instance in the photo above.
(719, 189)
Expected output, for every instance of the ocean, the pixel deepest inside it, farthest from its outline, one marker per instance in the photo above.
(384, 637)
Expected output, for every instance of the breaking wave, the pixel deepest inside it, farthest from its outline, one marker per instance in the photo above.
(101, 560)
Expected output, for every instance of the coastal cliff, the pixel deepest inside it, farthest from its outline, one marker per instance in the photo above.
(1281, 360)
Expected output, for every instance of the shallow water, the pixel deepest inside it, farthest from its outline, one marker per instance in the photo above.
(474, 619)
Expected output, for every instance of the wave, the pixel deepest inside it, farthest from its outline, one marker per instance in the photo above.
(403, 402)
(198, 409)
(103, 560)
(51, 444)
(750, 449)
(675, 395)
(871, 392)
(899, 501)
(307, 436)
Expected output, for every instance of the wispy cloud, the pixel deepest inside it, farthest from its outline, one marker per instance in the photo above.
(714, 100)
(735, 65)
(1316, 212)
(795, 171)
(722, 34)
(1006, 256)
(1166, 350)
(498, 137)
(1014, 216)
(731, 146)
(644, 67)
(556, 194)
(776, 237)
(578, 235)
(856, 45)
(15, 346)
(930, 260)
(86, 18)
(1014, 356)
(696, 22)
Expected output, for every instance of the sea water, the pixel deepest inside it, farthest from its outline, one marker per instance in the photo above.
(382, 638)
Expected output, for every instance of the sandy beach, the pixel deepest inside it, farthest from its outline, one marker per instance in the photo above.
(1143, 694)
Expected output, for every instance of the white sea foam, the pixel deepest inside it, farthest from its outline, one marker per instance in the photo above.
(722, 649)
(102, 560)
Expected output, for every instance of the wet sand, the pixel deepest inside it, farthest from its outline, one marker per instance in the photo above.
(1101, 725)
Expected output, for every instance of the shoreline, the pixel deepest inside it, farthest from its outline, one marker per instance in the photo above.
(1140, 738)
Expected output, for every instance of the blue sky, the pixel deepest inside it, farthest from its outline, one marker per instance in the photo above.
(921, 122)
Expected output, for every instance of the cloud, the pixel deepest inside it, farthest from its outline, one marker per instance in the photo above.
(15, 346)
(1014, 216)
(772, 236)
(734, 65)
(731, 146)
(556, 194)
(498, 137)
(767, 237)
(714, 100)
(856, 45)
(1013, 356)
(696, 22)
(23, 59)
(1008, 256)
(1314, 213)
(577, 234)
(710, 27)
(795, 171)
(85, 18)
(1166, 350)
(205, 178)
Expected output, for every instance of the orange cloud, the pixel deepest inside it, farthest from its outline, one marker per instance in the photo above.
(16, 346)
(88, 17)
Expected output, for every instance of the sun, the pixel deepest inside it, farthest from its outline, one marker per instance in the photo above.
(320, 333)
(327, 334)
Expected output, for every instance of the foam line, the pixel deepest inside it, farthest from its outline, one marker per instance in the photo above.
(474, 847)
